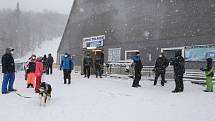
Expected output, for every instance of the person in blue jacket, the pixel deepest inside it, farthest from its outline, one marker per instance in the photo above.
(137, 62)
(8, 70)
(67, 65)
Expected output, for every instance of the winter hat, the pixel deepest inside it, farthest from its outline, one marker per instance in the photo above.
(33, 57)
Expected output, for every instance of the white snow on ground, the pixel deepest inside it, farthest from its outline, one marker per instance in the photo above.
(46, 47)
(108, 99)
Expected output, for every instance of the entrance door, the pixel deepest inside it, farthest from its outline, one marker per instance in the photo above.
(93, 53)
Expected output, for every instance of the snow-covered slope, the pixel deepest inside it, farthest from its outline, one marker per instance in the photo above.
(46, 47)
(108, 99)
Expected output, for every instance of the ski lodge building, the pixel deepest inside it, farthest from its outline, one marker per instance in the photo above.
(119, 28)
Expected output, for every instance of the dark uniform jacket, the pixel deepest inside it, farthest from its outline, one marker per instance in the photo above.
(50, 60)
(179, 65)
(161, 64)
(32, 67)
(98, 63)
(88, 61)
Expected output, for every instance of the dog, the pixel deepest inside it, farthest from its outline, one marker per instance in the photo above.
(45, 90)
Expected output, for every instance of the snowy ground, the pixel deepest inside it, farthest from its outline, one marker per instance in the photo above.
(108, 99)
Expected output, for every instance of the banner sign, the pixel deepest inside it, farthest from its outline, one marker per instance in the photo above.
(95, 41)
(199, 53)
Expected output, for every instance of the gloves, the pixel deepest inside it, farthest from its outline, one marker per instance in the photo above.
(60, 68)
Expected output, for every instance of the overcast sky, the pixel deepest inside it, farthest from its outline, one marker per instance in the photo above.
(62, 6)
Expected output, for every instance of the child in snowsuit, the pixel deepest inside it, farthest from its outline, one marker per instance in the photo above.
(209, 72)
(31, 72)
(38, 73)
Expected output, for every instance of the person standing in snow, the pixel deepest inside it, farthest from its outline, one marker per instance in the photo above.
(26, 68)
(39, 73)
(87, 64)
(98, 66)
(50, 62)
(160, 68)
(67, 65)
(137, 62)
(8, 70)
(179, 70)
(44, 61)
(31, 72)
(209, 72)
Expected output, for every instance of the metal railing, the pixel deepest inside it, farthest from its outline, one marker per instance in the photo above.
(127, 69)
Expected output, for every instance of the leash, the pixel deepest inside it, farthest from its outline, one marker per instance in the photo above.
(22, 95)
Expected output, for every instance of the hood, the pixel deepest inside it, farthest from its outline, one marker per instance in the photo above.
(8, 50)
(209, 62)
(178, 53)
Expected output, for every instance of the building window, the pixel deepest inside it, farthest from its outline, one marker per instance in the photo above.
(114, 54)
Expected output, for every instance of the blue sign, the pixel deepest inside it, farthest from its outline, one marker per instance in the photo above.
(199, 53)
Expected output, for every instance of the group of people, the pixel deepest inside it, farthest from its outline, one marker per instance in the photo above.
(179, 69)
(34, 69)
(48, 63)
(98, 64)
(178, 64)
(160, 69)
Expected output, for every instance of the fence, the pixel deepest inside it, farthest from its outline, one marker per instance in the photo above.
(127, 69)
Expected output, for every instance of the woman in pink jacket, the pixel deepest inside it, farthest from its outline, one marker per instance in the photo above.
(39, 72)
